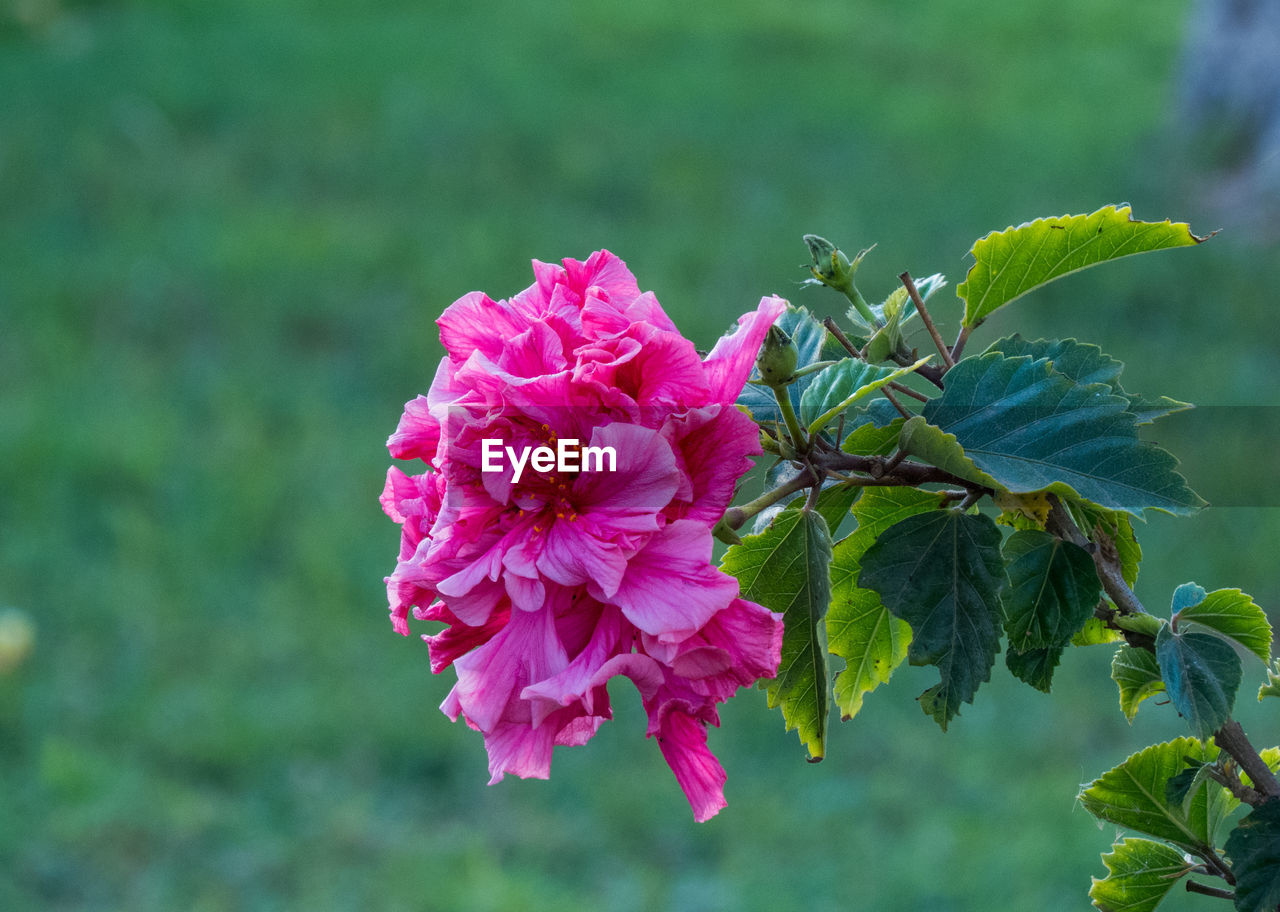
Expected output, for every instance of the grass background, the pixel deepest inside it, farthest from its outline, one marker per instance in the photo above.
(227, 230)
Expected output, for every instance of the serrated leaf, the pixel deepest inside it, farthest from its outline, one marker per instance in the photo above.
(869, 440)
(1031, 429)
(1201, 675)
(1234, 615)
(923, 440)
(1085, 363)
(860, 629)
(1133, 795)
(1010, 263)
(787, 569)
(1272, 687)
(1254, 850)
(1053, 588)
(839, 386)
(813, 343)
(1137, 674)
(1035, 666)
(1141, 873)
(941, 572)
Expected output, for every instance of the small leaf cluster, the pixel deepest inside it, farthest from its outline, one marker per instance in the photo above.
(941, 509)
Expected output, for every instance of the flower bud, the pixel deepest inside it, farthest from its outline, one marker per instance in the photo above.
(830, 265)
(778, 357)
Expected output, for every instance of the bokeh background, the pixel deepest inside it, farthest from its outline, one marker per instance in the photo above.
(227, 228)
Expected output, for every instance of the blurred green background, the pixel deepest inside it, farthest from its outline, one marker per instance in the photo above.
(227, 230)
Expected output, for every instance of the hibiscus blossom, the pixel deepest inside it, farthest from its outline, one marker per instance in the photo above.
(552, 582)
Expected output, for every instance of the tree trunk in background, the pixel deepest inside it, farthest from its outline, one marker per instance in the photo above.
(1230, 104)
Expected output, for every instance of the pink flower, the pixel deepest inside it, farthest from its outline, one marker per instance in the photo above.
(551, 583)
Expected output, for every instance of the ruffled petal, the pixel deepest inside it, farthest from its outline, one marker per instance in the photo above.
(683, 741)
(730, 362)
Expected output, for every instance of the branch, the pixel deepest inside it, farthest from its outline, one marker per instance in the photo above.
(1197, 887)
(734, 517)
(905, 279)
(894, 471)
(1230, 737)
(1062, 525)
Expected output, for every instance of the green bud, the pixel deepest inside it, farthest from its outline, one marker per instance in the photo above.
(778, 357)
(830, 265)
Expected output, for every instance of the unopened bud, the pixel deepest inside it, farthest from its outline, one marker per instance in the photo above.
(778, 357)
(830, 265)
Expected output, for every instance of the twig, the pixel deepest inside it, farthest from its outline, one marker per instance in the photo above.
(1232, 739)
(896, 404)
(906, 474)
(1216, 865)
(907, 391)
(1061, 524)
(905, 278)
(958, 349)
(836, 331)
(734, 517)
(1197, 887)
(1233, 784)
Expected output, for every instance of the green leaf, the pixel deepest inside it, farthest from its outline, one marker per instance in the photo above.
(1181, 789)
(941, 572)
(839, 386)
(860, 629)
(938, 448)
(786, 568)
(1031, 428)
(1133, 795)
(1201, 674)
(1053, 588)
(869, 440)
(1140, 874)
(1010, 263)
(1234, 615)
(1095, 633)
(1254, 850)
(1272, 687)
(1035, 666)
(1086, 364)
(813, 343)
(1137, 674)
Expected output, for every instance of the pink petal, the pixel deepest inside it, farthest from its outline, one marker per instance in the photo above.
(730, 362)
(475, 322)
(490, 678)
(646, 478)
(713, 446)
(683, 741)
(670, 589)
(418, 434)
